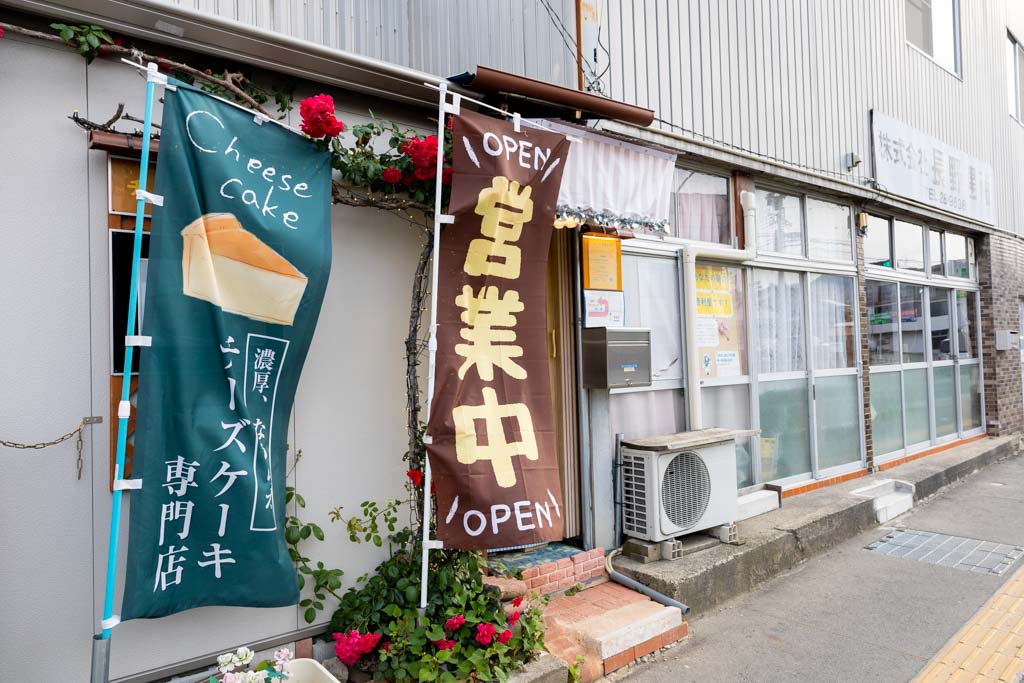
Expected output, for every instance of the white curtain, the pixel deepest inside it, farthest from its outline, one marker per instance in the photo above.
(832, 321)
(779, 307)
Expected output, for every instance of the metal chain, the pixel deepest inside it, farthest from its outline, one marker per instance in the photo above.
(76, 432)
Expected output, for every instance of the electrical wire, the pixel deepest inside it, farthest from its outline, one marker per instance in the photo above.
(593, 82)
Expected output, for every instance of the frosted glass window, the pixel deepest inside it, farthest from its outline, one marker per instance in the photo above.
(915, 401)
(837, 413)
(956, 256)
(970, 396)
(779, 307)
(941, 324)
(909, 242)
(828, 231)
(945, 400)
(651, 293)
(935, 258)
(833, 337)
(729, 406)
(779, 223)
(785, 445)
(883, 323)
(701, 207)
(877, 245)
(912, 323)
(640, 414)
(933, 27)
(886, 412)
(966, 317)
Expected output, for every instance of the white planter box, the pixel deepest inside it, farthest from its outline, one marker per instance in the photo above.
(310, 671)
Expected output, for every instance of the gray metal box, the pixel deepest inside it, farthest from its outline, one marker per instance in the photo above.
(614, 358)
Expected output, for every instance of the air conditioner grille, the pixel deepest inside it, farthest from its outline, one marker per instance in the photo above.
(686, 489)
(634, 495)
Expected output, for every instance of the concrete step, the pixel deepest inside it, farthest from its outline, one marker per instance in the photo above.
(609, 626)
(756, 503)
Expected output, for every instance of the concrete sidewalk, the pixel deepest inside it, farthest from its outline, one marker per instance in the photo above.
(850, 614)
(804, 527)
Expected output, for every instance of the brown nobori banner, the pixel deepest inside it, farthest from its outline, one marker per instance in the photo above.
(493, 446)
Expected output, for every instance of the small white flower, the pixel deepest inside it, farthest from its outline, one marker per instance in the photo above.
(243, 656)
(226, 662)
(283, 660)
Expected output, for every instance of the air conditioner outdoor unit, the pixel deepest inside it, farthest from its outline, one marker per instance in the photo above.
(678, 484)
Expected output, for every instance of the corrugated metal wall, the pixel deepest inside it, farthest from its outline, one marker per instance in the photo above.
(443, 37)
(791, 79)
(796, 79)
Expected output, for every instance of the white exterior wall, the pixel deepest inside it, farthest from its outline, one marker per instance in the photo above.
(349, 412)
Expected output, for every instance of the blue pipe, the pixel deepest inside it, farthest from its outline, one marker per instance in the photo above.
(122, 422)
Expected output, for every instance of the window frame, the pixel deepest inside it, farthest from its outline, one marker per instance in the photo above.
(1018, 55)
(731, 192)
(957, 70)
(775, 258)
(926, 275)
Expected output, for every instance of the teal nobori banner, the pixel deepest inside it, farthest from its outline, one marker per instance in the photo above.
(239, 258)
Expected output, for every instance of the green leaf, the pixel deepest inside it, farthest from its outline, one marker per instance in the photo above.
(66, 34)
(318, 532)
(93, 41)
(292, 535)
(310, 615)
(305, 532)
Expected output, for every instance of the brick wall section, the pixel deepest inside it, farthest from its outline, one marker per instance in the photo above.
(1001, 275)
(862, 302)
(563, 574)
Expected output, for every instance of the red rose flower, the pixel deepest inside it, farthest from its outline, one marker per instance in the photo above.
(504, 637)
(351, 646)
(446, 176)
(392, 176)
(444, 644)
(433, 487)
(318, 120)
(513, 618)
(485, 633)
(518, 601)
(409, 180)
(455, 623)
(1, 32)
(416, 477)
(451, 122)
(386, 646)
(425, 172)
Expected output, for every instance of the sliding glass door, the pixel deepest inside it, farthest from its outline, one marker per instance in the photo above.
(807, 387)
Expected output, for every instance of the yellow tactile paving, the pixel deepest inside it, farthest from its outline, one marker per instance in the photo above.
(990, 647)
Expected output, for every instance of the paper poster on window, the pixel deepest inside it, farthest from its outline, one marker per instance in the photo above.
(720, 329)
(728, 363)
(707, 332)
(604, 309)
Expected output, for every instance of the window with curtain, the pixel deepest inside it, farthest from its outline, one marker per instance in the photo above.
(701, 207)
(779, 223)
(828, 231)
(779, 305)
(650, 288)
(833, 336)
(883, 323)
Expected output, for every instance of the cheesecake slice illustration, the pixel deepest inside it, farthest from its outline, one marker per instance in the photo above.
(228, 266)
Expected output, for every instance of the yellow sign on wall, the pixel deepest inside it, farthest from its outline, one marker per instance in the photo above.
(602, 262)
(714, 292)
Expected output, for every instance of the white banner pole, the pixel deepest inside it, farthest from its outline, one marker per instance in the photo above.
(439, 219)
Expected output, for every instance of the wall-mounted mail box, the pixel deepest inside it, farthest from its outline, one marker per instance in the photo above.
(615, 358)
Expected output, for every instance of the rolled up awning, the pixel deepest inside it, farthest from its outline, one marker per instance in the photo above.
(614, 184)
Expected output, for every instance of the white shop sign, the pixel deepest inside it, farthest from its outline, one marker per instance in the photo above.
(912, 163)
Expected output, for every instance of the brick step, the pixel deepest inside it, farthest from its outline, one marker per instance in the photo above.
(609, 626)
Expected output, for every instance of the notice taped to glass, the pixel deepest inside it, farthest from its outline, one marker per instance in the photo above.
(493, 449)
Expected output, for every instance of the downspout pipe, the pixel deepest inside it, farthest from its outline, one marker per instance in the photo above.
(637, 586)
(691, 252)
